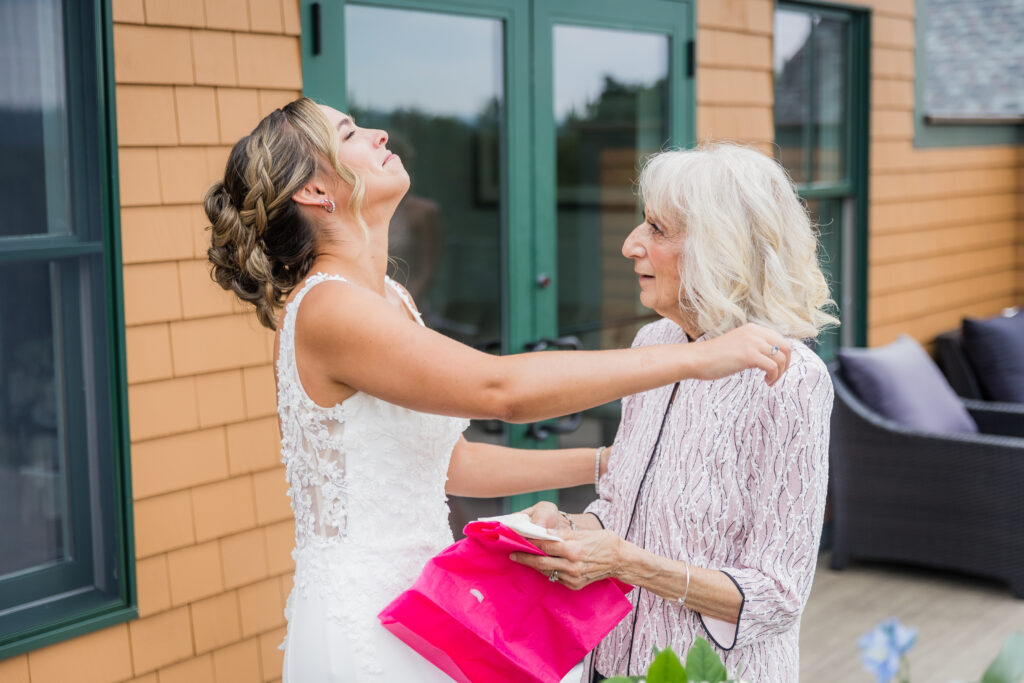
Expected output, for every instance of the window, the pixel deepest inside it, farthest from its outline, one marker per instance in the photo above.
(821, 86)
(65, 552)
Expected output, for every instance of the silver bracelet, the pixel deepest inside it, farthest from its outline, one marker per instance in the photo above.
(686, 591)
(597, 469)
(572, 524)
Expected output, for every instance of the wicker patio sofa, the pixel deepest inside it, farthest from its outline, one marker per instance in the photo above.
(955, 365)
(950, 501)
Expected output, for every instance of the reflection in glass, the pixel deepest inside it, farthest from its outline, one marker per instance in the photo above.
(438, 89)
(32, 458)
(792, 66)
(830, 106)
(611, 102)
(827, 218)
(442, 104)
(811, 79)
(33, 119)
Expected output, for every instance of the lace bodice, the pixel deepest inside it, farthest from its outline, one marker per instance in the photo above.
(366, 480)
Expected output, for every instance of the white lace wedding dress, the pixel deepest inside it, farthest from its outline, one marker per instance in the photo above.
(366, 480)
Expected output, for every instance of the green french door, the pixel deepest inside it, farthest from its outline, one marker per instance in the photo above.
(523, 124)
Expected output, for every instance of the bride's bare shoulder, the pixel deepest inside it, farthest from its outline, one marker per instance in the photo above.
(336, 311)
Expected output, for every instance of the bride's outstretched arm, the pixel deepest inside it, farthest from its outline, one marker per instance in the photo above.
(483, 470)
(351, 337)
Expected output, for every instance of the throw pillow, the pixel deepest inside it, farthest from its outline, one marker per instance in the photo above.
(995, 348)
(901, 382)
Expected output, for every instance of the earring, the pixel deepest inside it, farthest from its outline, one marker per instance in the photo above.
(328, 205)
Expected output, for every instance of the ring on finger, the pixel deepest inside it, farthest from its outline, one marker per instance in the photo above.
(553, 576)
(775, 350)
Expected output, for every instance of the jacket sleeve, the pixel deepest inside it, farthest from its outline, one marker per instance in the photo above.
(787, 475)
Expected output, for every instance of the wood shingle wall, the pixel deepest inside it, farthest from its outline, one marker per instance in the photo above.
(735, 87)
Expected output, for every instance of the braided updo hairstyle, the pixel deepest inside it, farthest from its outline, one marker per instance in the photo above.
(262, 244)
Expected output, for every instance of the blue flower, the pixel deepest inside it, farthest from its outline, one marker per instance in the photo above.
(902, 637)
(878, 656)
(883, 648)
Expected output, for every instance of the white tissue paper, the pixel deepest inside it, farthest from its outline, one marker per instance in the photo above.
(521, 524)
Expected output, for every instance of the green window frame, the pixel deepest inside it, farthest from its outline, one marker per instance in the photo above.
(948, 134)
(843, 202)
(92, 585)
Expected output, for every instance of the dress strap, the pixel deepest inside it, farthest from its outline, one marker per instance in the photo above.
(292, 309)
(287, 366)
(404, 296)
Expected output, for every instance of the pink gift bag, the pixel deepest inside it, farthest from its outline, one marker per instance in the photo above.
(482, 618)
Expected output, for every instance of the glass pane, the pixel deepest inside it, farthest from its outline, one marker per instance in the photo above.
(611, 102)
(792, 65)
(438, 89)
(33, 119)
(827, 217)
(830, 111)
(33, 468)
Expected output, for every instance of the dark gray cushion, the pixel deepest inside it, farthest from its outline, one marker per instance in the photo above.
(995, 348)
(901, 382)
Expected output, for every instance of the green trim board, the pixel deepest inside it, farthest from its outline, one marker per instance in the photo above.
(86, 594)
(860, 94)
(117, 349)
(946, 134)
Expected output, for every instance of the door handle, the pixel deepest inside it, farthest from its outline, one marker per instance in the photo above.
(569, 423)
(568, 343)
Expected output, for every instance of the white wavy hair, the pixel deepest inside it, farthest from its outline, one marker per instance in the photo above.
(750, 253)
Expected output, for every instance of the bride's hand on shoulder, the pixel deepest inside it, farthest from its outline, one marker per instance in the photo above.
(749, 346)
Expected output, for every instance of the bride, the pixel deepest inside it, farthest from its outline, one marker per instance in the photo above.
(372, 404)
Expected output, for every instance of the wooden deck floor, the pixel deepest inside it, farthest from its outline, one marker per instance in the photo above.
(963, 621)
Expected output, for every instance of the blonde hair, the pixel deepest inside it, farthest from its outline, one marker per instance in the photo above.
(750, 253)
(261, 244)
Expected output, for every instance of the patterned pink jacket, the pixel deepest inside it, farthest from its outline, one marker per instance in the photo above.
(738, 484)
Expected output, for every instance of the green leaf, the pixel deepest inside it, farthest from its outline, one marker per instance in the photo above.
(666, 668)
(704, 664)
(1008, 666)
(622, 679)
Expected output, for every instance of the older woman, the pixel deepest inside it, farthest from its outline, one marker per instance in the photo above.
(713, 500)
